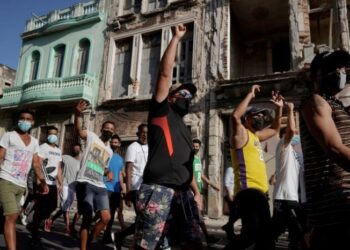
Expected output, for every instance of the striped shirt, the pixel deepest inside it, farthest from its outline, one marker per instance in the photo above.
(249, 166)
(327, 185)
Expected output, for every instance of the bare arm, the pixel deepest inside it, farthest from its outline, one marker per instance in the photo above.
(122, 180)
(209, 182)
(197, 194)
(239, 134)
(267, 133)
(166, 65)
(2, 154)
(81, 106)
(129, 170)
(59, 177)
(291, 128)
(318, 117)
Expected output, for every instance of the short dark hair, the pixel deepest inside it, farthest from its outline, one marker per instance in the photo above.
(197, 141)
(106, 122)
(141, 126)
(77, 144)
(115, 136)
(26, 111)
(48, 128)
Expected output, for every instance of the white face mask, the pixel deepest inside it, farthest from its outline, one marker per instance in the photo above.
(342, 80)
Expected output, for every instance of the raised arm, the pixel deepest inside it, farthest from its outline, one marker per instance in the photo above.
(239, 134)
(267, 133)
(318, 117)
(291, 128)
(81, 106)
(166, 65)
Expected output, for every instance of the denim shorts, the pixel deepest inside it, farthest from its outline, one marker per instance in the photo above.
(165, 216)
(91, 198)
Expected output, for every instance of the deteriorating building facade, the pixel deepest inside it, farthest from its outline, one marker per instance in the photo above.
(229, 46)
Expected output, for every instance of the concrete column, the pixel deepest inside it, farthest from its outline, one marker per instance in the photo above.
(136, 59)
(343, 24)
(214, 164)
(294, 33)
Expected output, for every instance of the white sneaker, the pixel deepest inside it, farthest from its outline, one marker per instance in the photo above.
(24, 220)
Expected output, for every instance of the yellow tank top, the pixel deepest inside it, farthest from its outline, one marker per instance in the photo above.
(249, 166)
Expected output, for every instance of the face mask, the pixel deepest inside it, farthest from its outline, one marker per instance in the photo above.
(52, 139)
(333, 83)
(195, 151)
(181, 106)
(114, 147)
(75, 153)
(24, 125)
(258, 123)
(106, 135)
(295, 140)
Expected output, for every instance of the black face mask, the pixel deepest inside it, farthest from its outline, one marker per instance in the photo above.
(113, 147)
(74, 153)
(181, 106)
(106, 135)
(333, 83)
(258, 123)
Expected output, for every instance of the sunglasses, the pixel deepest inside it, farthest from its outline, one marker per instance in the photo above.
(183, 94)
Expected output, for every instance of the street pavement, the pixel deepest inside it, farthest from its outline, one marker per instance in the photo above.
(57, 240)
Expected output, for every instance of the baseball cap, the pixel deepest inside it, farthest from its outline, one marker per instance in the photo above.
(252, 110)
(327, 62)
(178, 86)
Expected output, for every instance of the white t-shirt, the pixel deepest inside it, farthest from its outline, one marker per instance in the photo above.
(51, 156)
(137, 154)
(18, 158)
(94, 161)
(287, 173)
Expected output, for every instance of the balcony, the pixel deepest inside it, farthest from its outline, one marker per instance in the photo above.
(60, 19)
(50, 90)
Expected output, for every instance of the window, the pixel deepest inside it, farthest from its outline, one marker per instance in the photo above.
(150, 62)
(70, 138)
(127, 7)
(182, 71)
(153, 5)
(83, 60)
(34, 66)
(58, 60)
(122, 66)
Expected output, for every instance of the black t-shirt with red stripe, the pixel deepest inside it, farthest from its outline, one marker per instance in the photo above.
(170, 148)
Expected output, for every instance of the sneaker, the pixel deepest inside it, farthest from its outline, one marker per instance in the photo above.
(118, 241)
(211, 239)
(24, 219)
(48, 225)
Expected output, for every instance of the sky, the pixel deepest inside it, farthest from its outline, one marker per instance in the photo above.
(13, 17)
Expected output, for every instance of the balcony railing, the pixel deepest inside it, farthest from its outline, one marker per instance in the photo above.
(77, 10)
(50, 90)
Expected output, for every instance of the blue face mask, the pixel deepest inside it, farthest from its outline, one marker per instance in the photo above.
(295, 140)
(24, 125)
(52, 139)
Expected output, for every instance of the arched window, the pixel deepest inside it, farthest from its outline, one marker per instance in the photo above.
(34, 65)
(83, 59)
(58, 60)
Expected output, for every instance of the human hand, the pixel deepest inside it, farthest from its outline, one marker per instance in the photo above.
(180, 30)
(81, 106)
(255, 88)
(109, 176)
(277, 99)
(43, 188)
